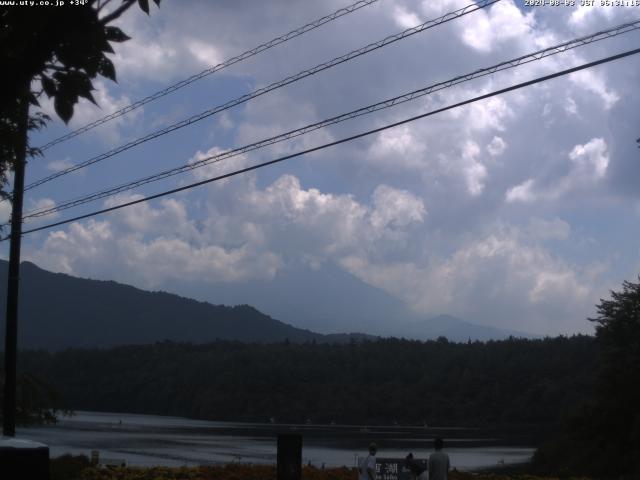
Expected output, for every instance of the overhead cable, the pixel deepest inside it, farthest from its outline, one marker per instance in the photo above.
(538, 55)
(338, 142)
(261, 91)
(227, 63)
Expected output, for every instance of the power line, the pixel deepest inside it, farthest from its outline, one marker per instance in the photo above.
(538, 55)
(256, 93)
(343, 140)
(227, 63)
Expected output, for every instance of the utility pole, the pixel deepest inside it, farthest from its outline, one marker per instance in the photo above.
(11, 335)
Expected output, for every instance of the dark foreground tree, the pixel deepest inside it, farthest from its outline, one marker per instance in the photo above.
(618, 394)
(56, 51)
(36, 402)
(603, 437)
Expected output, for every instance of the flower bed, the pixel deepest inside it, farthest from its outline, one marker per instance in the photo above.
(258, 472)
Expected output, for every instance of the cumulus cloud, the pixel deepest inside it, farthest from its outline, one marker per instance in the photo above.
(399, 147)
(496, 147)
(465, 212)
(208, 55)
(212, 163)
(503, 22)
(523, 192)
(34, 205)
(588, 165)
(149, 244)
(597, 84)
(86, 112)
(404, 18)
(397, 207)
(590, 160)
(474, 171)
(545, 292)
(59, 165)
(584, 17)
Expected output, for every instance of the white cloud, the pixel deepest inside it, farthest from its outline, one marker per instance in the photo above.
(86, 112)
(33, 205)
(502, 22)
(591, 159)
(405, 18)
(571, 107)
(491, 280)
(540, 147)
(586, 17)
(475, 172)
(59, 165)
(248, 238)
(595, 83)
(217, 166)
(496, 147)
(486, 115)
(147, 54)
(588, 165)
(398, 147)
(208, 55)
(397, 207)
(523, 192)
(148, 246)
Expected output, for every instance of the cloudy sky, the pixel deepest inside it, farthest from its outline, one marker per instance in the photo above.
(519, 212)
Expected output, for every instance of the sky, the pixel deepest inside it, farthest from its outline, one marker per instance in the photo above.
(517, 212)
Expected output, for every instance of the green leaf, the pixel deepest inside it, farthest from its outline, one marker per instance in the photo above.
(48, 85)
(92, 63)
(114, 34)
(106, 47)
(80, 84)
(106, 69)
(64, 107)
(89, 96)
(144, 5)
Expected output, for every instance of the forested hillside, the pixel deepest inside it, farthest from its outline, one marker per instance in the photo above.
(58, 311)
(507, 382)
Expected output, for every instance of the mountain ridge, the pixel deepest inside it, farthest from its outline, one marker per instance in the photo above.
(103, 313)
(59, 311)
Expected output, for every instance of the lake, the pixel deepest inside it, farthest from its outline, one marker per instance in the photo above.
(146, 440)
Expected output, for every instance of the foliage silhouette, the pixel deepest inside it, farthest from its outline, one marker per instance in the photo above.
(603, 437)
(497, 383)
(55, 51)
(36, 402)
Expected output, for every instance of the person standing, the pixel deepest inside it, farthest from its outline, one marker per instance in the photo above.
(438, 462)
(367, 466)
(418, 469)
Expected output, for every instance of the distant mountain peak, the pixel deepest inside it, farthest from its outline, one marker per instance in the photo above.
(456, 329)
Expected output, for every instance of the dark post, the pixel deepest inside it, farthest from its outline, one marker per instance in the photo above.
(289, 457)
(11, 336)
(23, 459)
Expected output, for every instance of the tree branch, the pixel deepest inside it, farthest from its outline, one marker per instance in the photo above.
(126, 5)
(51, 66)
(102, 4)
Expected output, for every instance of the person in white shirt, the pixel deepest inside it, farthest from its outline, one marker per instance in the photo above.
(438, 462)
(367, 465)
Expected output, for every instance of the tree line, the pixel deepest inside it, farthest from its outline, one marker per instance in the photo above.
(509, 382)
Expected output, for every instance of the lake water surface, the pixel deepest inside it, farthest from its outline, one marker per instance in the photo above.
(146, 440)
